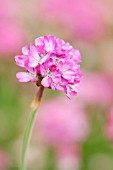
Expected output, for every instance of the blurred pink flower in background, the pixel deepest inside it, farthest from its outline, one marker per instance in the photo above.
(84, 19)
(68, 157)
(4, 10)
(4, 162)
(108, 129)
(96, 88)
(63, 122)
(12, 36)
(12, 31)
(8, 9)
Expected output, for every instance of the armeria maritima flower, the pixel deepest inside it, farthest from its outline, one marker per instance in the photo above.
(52, 63)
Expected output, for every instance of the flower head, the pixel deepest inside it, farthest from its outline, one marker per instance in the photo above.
(52, 63)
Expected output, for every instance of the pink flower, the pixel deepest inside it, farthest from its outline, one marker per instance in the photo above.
(108, 129)
(83, 19)
(96, 88)
(62, 122)
(52, 63)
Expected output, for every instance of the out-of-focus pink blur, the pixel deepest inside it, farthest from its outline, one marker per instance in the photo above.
(4, 162)
(68, 157)
(96, 89)
(63, 121)
(12, 36)
(84, 19)
(12, 32)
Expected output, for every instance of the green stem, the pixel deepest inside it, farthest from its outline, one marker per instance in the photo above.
(34, 105)
(26, 140)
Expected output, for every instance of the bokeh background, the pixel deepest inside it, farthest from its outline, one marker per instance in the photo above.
(68, 134)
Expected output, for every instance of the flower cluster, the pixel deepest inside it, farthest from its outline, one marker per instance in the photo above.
(52, 63)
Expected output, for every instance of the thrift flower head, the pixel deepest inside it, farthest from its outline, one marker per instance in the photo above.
(52, 63)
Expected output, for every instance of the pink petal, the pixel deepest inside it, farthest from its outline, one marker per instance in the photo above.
(42, 70)
(70, 94)
(53, 87)
(33, 57)
(45, 82)
(25, 50)
(70, 72)
(43, 59)
(25, 77)
(49, 42)
(66, 76)
(21, 60)
(33, 62)
(76, 55)
(39, 41)
(59, 87)
(33, 51)
(56, 79)
(71, 90)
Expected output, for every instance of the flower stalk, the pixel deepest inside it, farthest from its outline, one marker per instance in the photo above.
(34, 107)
